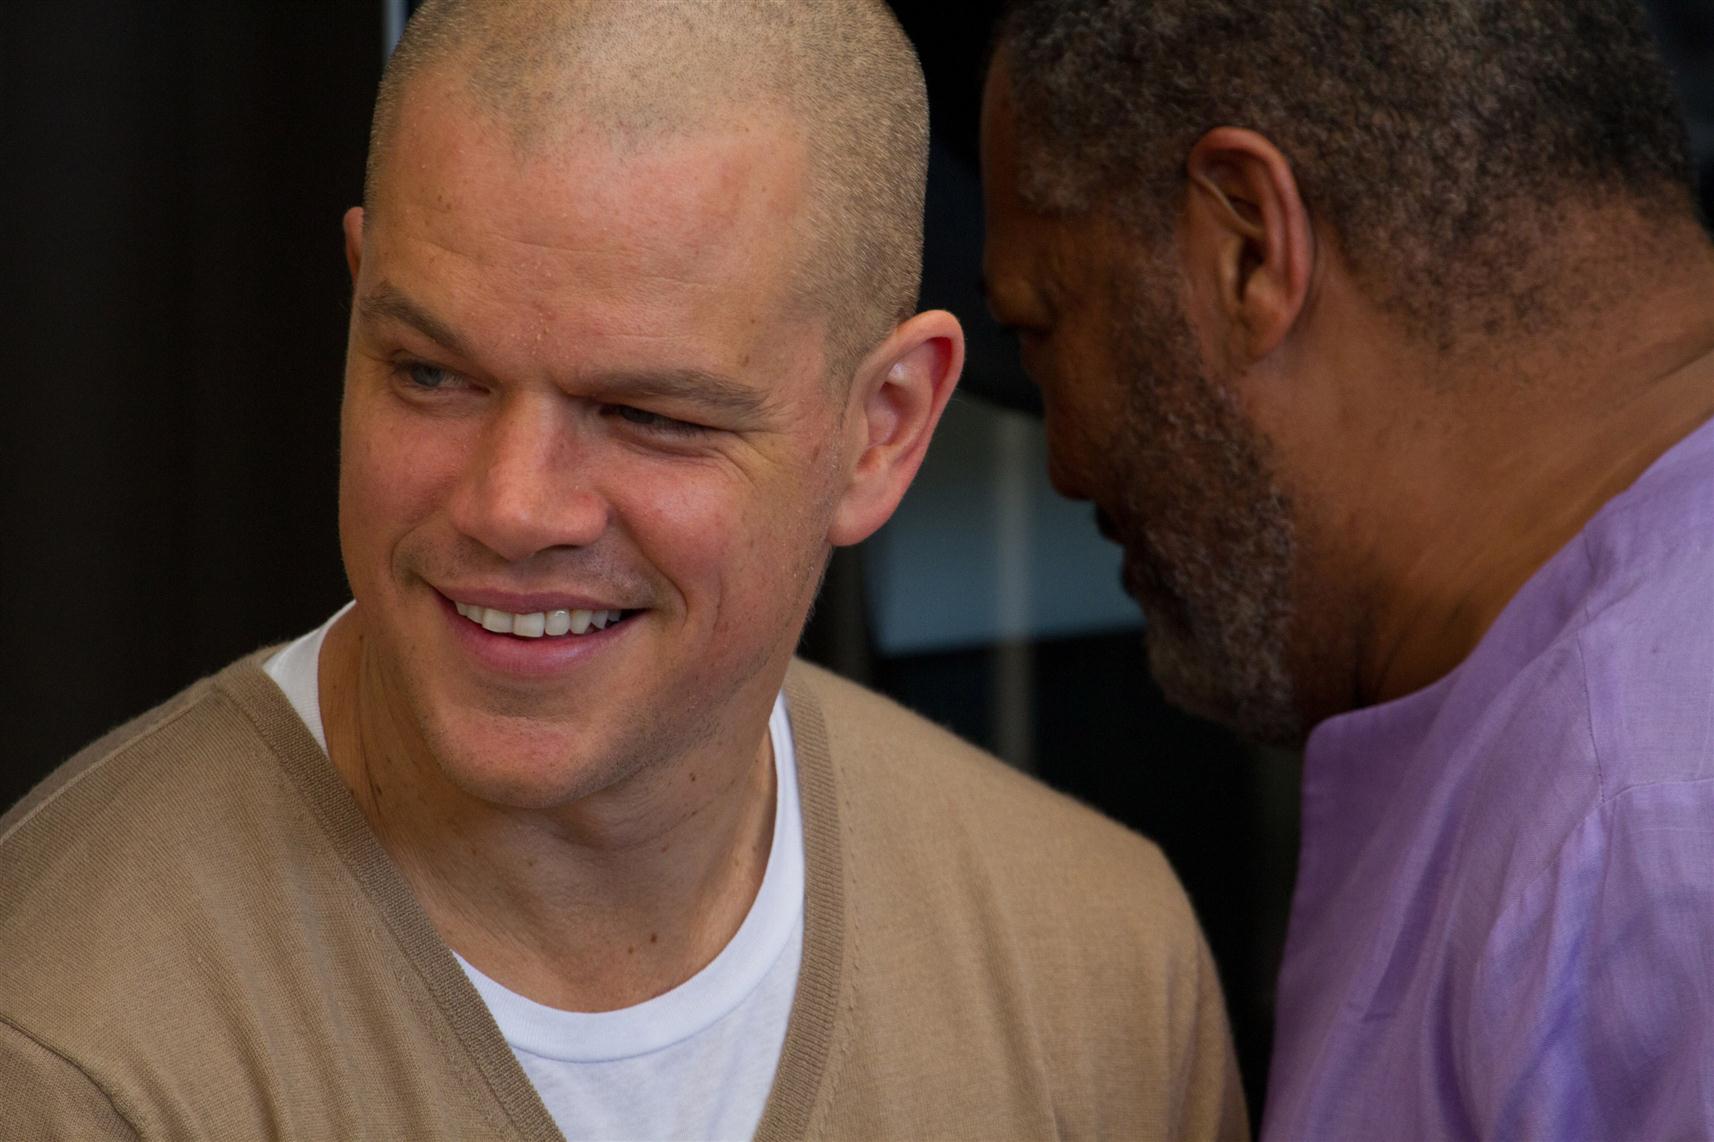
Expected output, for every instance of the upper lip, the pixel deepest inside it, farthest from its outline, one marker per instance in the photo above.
(528, 602)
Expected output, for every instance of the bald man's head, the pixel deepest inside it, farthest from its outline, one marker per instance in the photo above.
(842, 74)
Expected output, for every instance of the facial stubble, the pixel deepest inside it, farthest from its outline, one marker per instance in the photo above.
(1207, 530)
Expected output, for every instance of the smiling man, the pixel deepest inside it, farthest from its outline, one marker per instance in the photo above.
(547, 833)
(1382, 338)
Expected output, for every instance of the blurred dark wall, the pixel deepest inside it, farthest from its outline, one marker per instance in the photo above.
(1685, 31)
(174, 329)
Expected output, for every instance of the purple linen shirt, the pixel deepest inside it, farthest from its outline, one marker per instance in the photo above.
(1503, 925)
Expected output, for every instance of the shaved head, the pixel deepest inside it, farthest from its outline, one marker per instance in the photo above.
(841, 75)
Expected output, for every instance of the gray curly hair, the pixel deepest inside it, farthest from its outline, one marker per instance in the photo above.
(1435, 137)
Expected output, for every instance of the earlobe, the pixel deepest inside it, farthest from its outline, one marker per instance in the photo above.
(1250, 238)
(352, 225)
(898, 394)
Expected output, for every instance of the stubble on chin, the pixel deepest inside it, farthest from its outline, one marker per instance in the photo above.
(1209, 537)
(1227, 672)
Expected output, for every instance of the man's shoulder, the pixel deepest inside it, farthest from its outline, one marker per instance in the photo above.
(993, 926)
(1618, 689)
(1645, 643)
(965, 811)
(195, 925)
(149, 828)
(151, 772)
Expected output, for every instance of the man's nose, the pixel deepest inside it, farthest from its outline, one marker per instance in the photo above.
(530, 486)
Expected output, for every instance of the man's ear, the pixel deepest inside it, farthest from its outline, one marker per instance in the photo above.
(1249, 242)
(352, 224)
(897, 396)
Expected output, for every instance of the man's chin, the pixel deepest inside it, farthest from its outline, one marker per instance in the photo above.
(523, 758)
(1183, 679)
(1250, 697)
(534, 774)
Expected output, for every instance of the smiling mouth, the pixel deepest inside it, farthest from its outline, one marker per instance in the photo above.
(541, 624)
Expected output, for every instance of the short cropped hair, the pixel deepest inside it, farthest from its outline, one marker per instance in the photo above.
(1429, 134)
(843, 73)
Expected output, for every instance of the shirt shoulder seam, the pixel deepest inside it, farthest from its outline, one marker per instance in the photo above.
(166, 716)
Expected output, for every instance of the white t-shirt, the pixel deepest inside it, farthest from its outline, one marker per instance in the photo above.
(697, 1062)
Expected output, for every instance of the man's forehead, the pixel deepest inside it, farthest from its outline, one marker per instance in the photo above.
(1012, 229)
(1005, 155)
(1025, 250)
(670, 234)
(742, 164)
(677, 245)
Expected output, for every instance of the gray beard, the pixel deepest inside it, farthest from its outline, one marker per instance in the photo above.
(1208, 534)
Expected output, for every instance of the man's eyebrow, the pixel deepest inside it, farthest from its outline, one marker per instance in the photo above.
(691, 385)
(694, 386)
(386, 303)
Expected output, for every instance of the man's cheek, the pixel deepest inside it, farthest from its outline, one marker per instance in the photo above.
(398, 475)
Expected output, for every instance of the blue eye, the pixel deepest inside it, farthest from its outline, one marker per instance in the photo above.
(425, 376)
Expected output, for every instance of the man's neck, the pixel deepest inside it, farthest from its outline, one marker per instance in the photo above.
(591, 906)
(1525, 462)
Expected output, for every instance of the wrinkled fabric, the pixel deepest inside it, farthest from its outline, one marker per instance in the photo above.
(1503, 925)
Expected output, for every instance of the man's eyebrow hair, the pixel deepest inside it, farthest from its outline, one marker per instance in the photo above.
(697, 386)
(387, 303)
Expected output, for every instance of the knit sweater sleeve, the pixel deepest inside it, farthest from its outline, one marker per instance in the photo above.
(44, 1095)
(1212, 1103)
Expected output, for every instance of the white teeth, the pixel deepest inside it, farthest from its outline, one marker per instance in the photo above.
(538, 623)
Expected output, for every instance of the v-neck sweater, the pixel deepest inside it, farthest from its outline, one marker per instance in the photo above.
(201, 937)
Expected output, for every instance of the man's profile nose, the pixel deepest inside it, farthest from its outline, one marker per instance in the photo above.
(528, 488)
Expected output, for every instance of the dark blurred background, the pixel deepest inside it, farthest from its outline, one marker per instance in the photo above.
(174, 322)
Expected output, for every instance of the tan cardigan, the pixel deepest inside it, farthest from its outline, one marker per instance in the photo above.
(200, 937)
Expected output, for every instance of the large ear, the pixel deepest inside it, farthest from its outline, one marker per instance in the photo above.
(1248, 242)
(352, 224)
(897, 396)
